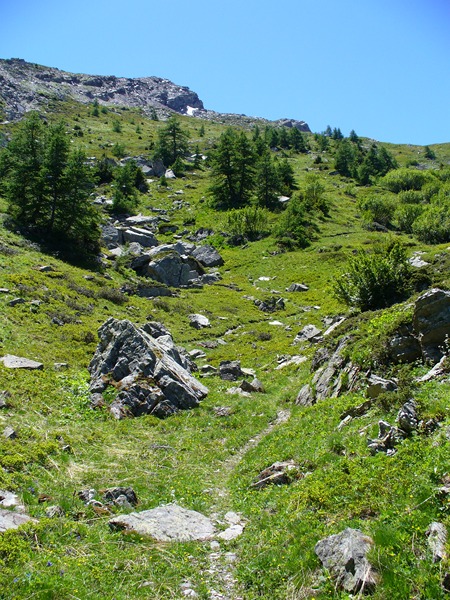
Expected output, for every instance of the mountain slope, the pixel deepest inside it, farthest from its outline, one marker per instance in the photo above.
(27, 86)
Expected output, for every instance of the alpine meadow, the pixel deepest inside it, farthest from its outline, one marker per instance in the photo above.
(225, 355)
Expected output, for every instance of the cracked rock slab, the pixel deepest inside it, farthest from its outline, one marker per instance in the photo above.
(170, 523)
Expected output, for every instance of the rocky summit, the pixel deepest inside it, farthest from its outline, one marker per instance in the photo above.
(26, 86)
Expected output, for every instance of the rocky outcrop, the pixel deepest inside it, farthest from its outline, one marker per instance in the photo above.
(174, 265)
(151, 373)
(26, 86)
(431, 322)
(345, 556)
(333, 374)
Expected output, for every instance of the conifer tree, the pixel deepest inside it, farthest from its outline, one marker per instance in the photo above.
(172, 141)
(47, 187)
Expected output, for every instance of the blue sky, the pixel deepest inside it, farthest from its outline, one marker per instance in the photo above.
(381, 67)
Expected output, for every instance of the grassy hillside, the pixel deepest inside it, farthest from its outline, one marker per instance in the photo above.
(198, 458)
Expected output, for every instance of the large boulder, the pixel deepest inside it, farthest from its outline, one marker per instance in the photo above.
(208, 256)
(142, 236)
(345, 556)
(149, 372)
(431, 322)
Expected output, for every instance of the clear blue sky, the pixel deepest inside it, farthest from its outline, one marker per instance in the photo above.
(381, 67)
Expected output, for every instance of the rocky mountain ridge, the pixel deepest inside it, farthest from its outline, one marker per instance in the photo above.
(28, 86)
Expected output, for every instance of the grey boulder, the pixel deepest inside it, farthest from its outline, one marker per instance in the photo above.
(345, 556)
(208, 256)
(150, 373)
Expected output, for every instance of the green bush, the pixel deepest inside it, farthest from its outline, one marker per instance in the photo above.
(433, 225)
(374, 280)
(406, 214)
(250, 222)
(295, 228)
(377, 209)
(405, 179)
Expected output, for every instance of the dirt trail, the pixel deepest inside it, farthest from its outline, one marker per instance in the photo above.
(220, 568)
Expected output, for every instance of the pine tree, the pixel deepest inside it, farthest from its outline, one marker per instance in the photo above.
(267, 182)
(172, 141)
(47, 187)
(297, 140)
(232, 170)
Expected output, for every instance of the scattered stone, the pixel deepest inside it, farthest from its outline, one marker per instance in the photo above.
(388, 438)
(290, 360)
(231, 533)
(169, 174)
(223, 411)
(439, 370)
(9, 433)
(60, 366)
(407, 417)
(270, 304)
(333, 325)
(297, 287)
(16, 362)
(199, 321)
(345, 421)
(276, 323)
(4, 290)
(196, 353)
(11, 501)
(230, 370)
(52, 512)
(208, 370)
(87, 495)
(4, 395)
(46, 269)
(417, 261)
(12, 520)
(142, 236)
(16, 301)
(170, 523)
(437, 540)
(113, 494)
(309, 333)
(280, 473)
(345, 556)
(378, 385)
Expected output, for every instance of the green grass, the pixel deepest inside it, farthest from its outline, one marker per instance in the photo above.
(63, 446)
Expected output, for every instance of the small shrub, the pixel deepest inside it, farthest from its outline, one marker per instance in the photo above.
(250, 222)
(113, 295)
(377, 209)
(374, 280)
